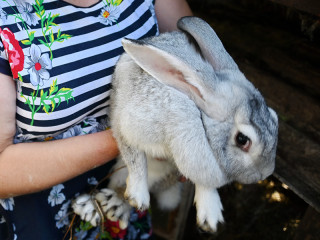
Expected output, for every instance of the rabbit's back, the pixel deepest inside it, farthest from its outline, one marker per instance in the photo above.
(147, 113)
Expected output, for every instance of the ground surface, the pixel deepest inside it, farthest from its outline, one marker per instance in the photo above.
(264, 211)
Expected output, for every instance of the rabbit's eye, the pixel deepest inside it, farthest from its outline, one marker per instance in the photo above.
(243, 142)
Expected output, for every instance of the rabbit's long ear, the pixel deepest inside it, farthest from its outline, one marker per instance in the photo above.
(210, 45)
(173, 72)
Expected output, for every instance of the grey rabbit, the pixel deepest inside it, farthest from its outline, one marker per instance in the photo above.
(180, 105)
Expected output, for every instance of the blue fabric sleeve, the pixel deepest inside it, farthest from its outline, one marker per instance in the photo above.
(5, 67)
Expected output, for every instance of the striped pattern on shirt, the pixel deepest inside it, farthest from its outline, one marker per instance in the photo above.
(67, 70)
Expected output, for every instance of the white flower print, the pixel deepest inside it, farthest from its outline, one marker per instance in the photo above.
(56, 197)
(2, 220)
(71, 132)
(132, 232)
(109, 14)
(95, 234)
(7, 204)
(92, 121)
(38, 65)
(20, 137)
(103, 124)
(133, 216)
(92, 181)
(25, 10)
(144, 236)
(62, 216)
(15, 237)
(81, 234)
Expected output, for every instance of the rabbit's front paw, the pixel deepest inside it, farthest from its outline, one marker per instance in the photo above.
(137, 195)
(84, 206)
(207, 219)
(209, 209)
(114, 207)
(93, 208)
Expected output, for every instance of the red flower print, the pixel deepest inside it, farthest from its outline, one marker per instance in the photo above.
(13, 50)
(114, 229)
(141, 214)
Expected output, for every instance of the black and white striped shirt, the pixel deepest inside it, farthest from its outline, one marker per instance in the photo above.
(62, 58)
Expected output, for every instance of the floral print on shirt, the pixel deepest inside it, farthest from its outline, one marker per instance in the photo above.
(139, 224)
(139, 227)
(7, 204)
(38, 65)
(56, 197)
(61, 217)
(13, 50)
(110, 12)
(37, 62)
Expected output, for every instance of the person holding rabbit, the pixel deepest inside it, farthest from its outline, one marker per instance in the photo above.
(57, 59)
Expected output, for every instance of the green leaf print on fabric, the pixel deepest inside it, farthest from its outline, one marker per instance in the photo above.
(53, 96)
(37, 63)
(47, 22)
(26, 16)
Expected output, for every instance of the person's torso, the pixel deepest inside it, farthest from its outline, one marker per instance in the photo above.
(62, 58)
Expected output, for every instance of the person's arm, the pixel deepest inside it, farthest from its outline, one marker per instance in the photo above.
(31, 167)
(168, 12)
(7, 111)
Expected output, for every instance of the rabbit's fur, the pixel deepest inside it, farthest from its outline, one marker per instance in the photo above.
(181, 97)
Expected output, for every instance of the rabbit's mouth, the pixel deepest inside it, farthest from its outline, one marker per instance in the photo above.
(251, 178)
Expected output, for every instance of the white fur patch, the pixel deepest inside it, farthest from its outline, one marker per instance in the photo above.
(170, 198)
(209, 208)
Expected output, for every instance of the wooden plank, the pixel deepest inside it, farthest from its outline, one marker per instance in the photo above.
(309, 228)
(294, 58)
(298, 156)
(294, 107)
(285, 67)
(298, 164)
(310, 6)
